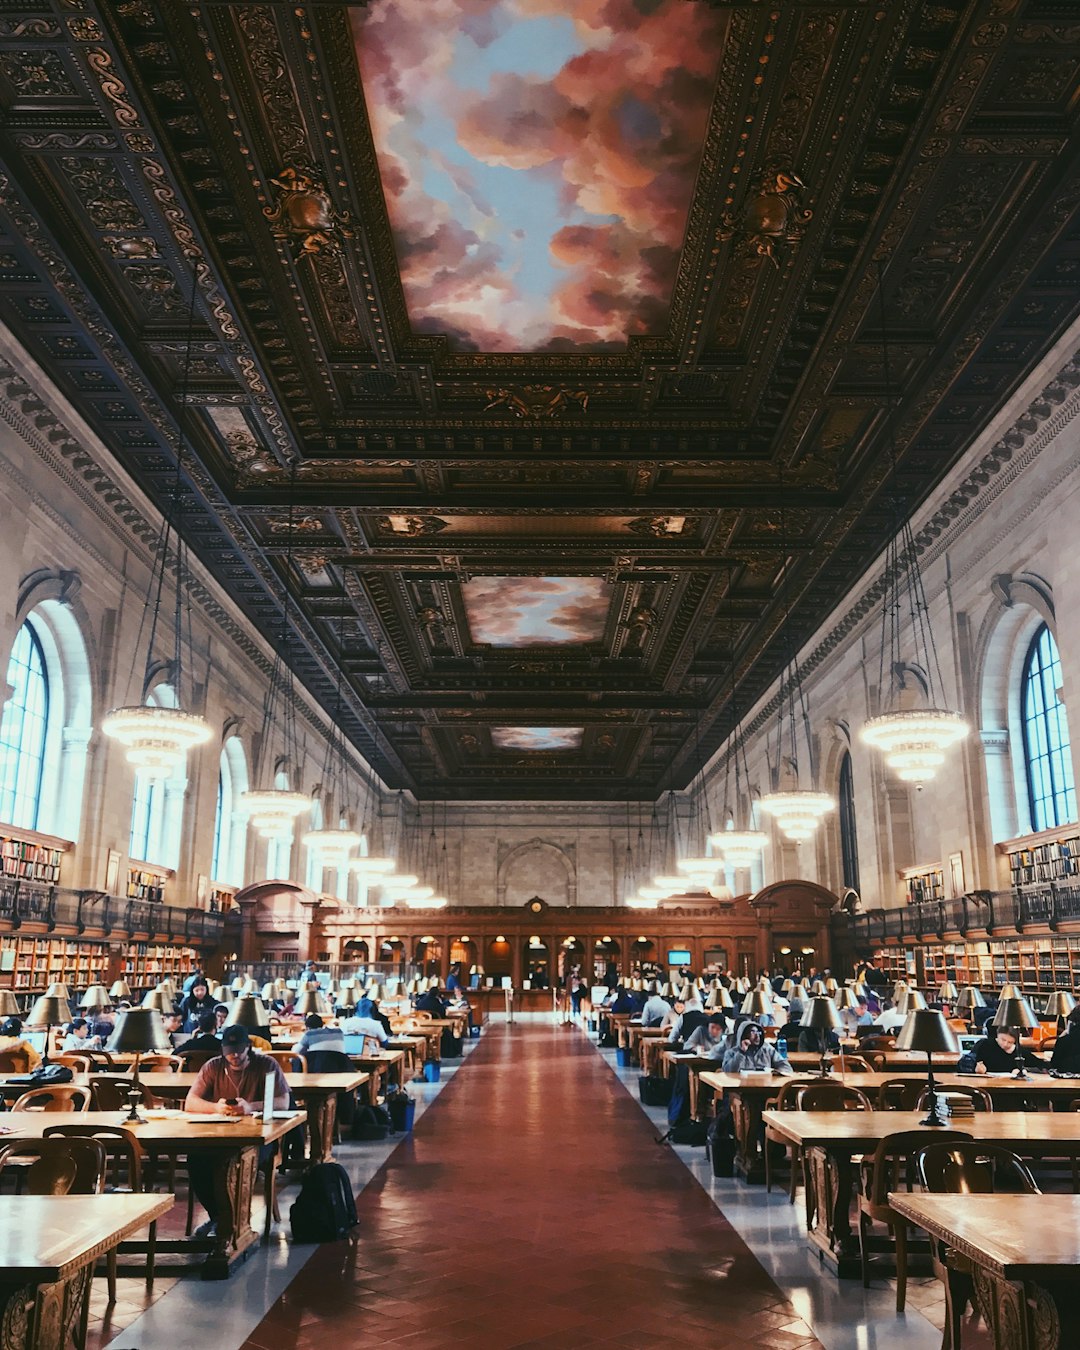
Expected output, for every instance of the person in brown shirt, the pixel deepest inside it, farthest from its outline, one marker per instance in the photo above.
(230, 1085)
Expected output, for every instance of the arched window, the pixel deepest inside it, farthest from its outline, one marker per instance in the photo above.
(23, 731)
(1047, 762)
(849, 842)
(45, 725)
(230, 824)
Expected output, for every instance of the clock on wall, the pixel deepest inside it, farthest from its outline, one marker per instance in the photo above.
(536, 905)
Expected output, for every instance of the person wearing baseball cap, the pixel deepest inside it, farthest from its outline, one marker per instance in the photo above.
(232, 1084)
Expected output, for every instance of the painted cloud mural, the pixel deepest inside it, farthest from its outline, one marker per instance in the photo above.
(536, 611)
(538, 159)
(537, 738)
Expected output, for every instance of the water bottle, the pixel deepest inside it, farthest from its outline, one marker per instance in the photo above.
(781, 1048)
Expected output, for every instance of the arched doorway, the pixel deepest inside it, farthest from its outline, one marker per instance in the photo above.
(571, 956)
(356, 951)
(536, 963)
(643, 957)
(392, 953)
(499, 961)
(428, 956)
(607, 962)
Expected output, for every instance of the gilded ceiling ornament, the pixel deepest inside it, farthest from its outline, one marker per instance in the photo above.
(536, 400)
(663, 527)
(775, 215)
(305, 212)
(410, 526)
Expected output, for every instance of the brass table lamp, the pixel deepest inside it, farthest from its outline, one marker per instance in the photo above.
(1015, 1015)
(822, 1016)
(138, 1031)
(926, 1029)
(48, 1012)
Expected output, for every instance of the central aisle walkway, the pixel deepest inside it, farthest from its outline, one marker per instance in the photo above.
(532, 1208)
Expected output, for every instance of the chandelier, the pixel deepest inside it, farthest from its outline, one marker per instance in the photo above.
(156, 738)
(913, 729)
(739, 848)
(797, 810)
(333, 846)
(274, 810)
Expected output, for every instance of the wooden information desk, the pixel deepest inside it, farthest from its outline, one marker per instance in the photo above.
(48, 1247)
(235, 1147)
(316, 1092)
(830, 1140)
(750, 1093)
(1023, 1253)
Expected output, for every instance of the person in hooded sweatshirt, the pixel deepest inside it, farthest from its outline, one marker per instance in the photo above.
(752, 1053)
(693, 1016)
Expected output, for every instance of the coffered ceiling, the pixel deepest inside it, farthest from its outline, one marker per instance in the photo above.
(538, 344)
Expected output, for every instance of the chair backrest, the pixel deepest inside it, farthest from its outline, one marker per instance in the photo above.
(876, 1042)
(62, 1097)
(971, 1168)
(900, 1094)
(892, 1170)
(877, 1059)
(289, 1060)
(857, 1064)
(979, 1097)
(76, 1063)
(329, 1061)
(422, 1015)
(156, 1063)
(832, 1097)
(787, 1097)
(57, 1166)
(193, 1063)
(121, 1147)
(111, 1092)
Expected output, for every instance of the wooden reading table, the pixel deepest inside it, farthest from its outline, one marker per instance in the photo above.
(48, 1248)
(1023, 1253)
(235, 1144)
(749, 1094)
(316, 1092)
(831, 1140)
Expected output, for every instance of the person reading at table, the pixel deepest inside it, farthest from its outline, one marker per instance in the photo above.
(1000, 1054)
(708, 1041)
(753, 1053)
(365, 1021)
(233, 1084)
(1066, 1056)
(19, 1055)
(319, 1037)
(655, 1009)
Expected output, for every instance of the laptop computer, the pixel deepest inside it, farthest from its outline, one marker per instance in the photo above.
(968, 1042)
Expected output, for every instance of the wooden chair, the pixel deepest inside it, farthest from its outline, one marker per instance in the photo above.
(289, 1060)
(76, 1063)
(857, 1064)
(877, 1059)
(62, 1097)
(876, 1043)
(979, 1097)
(966, 1168)
(900, 1094)
(125, 1158)
(110, 1092)
(59, 1167)
(193, 1063)
(891, 1170)
(832, 1097)
(786, 1101)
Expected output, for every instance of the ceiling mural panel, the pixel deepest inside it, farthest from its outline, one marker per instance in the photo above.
(538, 158)
(537, 738)
(536, 611)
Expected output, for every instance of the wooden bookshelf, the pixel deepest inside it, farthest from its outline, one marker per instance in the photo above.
(1038, 964)
(221, 898)
(146, 964)
(29, 856)
(30, 964)
(923, 883)
(147, 883)
(1049, 856)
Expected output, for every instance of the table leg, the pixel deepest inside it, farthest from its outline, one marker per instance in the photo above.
(830, 1181)
(44, 1316)
(746, 1118)
(1027, 1316)
(234, 1187)
(321, 1115)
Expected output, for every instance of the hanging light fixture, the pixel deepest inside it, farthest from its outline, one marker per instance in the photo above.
(913, 739)
(272, 810)
(157, 739)
(377, 863)
(740, 847)
(798, 811)
(334, 845)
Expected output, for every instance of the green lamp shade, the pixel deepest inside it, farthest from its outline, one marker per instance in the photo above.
(926, 1029)
(139, 1031)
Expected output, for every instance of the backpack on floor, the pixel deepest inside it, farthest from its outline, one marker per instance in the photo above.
(691, 1132)
(678, 1107)
(372, 1122)
(325, 1209)
(654, 1091)
(720, 1146)
(449, 1045)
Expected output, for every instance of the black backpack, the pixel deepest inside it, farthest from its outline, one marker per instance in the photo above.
(372, 1122)
(325, 1209)
(655, 1091)
(720, 1146)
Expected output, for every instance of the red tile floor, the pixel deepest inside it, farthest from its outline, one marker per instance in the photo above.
(532, 1207)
